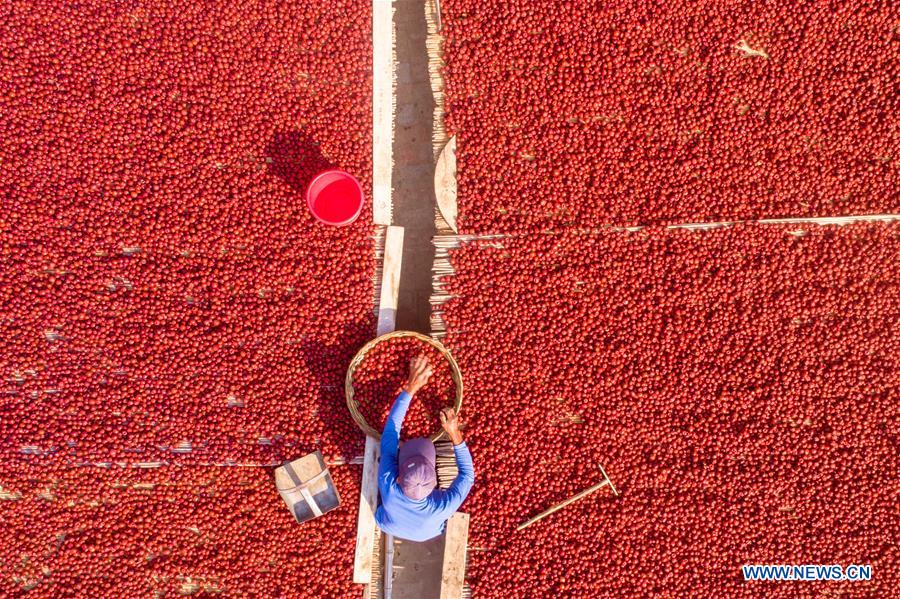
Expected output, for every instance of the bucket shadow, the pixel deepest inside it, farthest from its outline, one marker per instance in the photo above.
(295, 158)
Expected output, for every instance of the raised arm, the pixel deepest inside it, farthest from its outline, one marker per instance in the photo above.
(419, 373)
(453, 497)
(390, 436)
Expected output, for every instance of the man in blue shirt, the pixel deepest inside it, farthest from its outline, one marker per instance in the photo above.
(412, 507)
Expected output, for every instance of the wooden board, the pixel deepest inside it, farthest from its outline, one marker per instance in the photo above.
(382, 110)
(390, 280)
(454, 570)
(368, 497)
(445, 183)
(368, 503)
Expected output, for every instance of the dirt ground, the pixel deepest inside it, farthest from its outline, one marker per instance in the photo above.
(413, 175)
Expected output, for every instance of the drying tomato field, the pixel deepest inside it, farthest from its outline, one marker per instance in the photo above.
(650, 113)
(174, 322)
(167, 303)
(738, 385)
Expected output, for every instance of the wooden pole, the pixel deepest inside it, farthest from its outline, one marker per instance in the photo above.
(572, 499)
(388, 566)
(392, 264)
(368, 503)
(368, 498)
(383, 70)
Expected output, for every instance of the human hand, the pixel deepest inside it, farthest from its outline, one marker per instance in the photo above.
(419, 373)
(450, 422)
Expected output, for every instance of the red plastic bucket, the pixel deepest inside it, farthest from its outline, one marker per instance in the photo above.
(335, 198)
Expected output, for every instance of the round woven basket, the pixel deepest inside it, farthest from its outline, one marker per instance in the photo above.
(353, 404)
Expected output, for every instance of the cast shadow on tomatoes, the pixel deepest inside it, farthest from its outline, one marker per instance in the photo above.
(295, 158)
(327, 362)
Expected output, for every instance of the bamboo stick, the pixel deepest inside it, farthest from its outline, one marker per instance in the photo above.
(570, 500)
(445, 242)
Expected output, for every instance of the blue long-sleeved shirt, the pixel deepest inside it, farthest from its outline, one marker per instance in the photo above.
(407, 518)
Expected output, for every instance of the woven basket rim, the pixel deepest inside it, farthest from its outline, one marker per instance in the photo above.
(353, 404)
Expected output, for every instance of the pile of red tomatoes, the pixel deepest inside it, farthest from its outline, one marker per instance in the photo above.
(200, 531)
(384, 370)
(172, 318)
(163, 283)
(640, 112)
(167, 299)
(738, 385)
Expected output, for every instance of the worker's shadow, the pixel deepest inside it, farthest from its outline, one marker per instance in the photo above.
(295, 158)
(328, 363)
